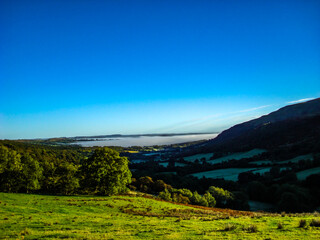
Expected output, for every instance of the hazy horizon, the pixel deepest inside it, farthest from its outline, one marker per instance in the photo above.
(70, 68)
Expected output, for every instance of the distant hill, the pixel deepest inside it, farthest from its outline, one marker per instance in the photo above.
(295, 124)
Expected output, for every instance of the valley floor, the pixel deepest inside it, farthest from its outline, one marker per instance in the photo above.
(24, 216)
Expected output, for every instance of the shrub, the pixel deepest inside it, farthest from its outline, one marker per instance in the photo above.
(197, 199)
(221, 196)
(210, 199)
(25, 232)
(302, 223)
(179, 198)
(165, 195)
(280, 225)
(229, 227)
(252, 229)
(315, 223)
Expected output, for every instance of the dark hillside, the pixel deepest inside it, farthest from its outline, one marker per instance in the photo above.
(293, 124)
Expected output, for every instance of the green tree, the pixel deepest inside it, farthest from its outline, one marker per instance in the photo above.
(160, 186)
(10, 170)
(59, 175)
(31, 173)
(165, 195)
(210, 199)
(197, 199)
(145, 184)
(222, 196)
(105, 172)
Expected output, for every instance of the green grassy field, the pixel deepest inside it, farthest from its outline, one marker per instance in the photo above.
(25, 216)
(238, 156)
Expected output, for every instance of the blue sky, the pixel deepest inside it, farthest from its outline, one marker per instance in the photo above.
(70, 68)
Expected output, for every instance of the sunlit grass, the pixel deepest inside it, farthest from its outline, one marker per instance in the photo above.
(25, 216)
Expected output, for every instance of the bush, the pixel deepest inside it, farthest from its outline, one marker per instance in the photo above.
(315, 223)
(280, 225)
(229, 227)
(179, 198)
(302, 223)
(252, 229)
(221, 196)
(210, 199)
(197, 199)
(165, 195)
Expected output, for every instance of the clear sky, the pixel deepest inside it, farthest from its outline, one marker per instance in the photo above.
(70, 68)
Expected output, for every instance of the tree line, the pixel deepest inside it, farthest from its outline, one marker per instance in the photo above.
(59, 170)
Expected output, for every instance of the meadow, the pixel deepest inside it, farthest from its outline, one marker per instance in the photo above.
(228, 173)
(26, 216)
(238, 155)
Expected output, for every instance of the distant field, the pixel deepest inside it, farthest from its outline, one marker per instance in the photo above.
(238, 156)
(193, 158)
(267, 169)
(230, 173)
(263, 170)
(165, 164)
(122, 217)
(174, 173)
(299, 158)
(227, 173)
(138, 160)
(262, 162)
(306, 173)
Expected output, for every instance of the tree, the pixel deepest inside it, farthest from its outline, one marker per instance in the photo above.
(10, 170)
(222, 196)
(197, 199)
(160, 186)
(31, 173)
(145, 184)
(257, 191)
(105, 172)
(210, 199)
(289, 203)
(165, 195)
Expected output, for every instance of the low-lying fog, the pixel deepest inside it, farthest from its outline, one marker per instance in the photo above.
(146, 140)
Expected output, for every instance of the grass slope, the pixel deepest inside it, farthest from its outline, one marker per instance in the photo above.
(25, 216)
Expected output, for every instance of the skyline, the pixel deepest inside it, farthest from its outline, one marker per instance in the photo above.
(103, 67)
(236, 117)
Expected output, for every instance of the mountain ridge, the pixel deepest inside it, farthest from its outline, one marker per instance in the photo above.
(287, 125)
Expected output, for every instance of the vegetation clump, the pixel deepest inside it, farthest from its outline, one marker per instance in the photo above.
(315, 223)
(302, 223)
(229, 227)
(251, 228)
(280, 226)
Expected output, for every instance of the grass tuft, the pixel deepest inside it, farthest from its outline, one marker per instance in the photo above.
(252, 229)
(25, 232)
(315, 223)
(229, 227)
